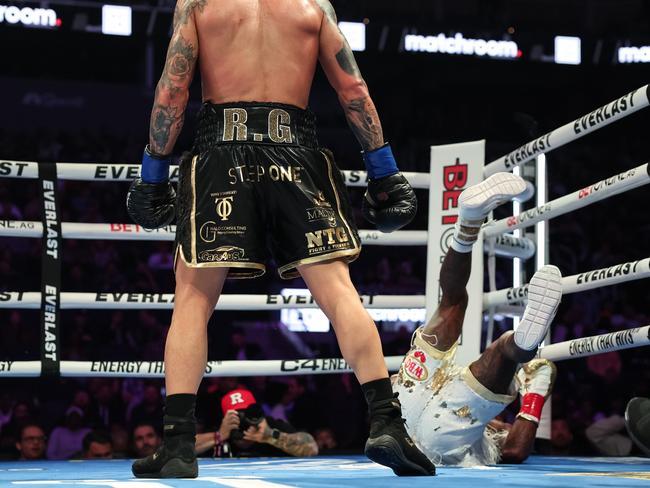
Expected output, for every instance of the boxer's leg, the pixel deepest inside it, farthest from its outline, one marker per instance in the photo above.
(388, 442)
(186, 348)
(475, 203)
(330, 284)
(444, 328)
(498, 363)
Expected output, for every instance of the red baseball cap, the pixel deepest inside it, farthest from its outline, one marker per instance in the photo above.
(238, 399)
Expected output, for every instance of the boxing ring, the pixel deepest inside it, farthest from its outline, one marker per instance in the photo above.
(500, 238)
(343, 472)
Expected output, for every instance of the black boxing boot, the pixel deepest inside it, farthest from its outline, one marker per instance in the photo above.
(176, 457)
(388, 443)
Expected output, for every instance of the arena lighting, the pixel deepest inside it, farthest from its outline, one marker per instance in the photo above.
(29, 17)
(632, 54)
(116, 20)
(460, 45)
(313, 320)
(355, 33)
(568, 50)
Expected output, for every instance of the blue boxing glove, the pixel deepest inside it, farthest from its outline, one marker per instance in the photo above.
(389, 202)
(151, 199)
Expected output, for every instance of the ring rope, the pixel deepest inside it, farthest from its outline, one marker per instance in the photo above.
(165, 301)
(128, 172)
(589, 346)
(156, 369)
(134, 232)
(586, 346)
(619, 273)
(605, 115)
(506, 245)
(606, 188)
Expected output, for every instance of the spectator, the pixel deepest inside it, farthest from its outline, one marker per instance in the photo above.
(561, 438)
(97, 445)
(145, 440)
(21, 416)
(608, 436)
(108, 406)
(120, 441)
(151, 408)
(67, 440)
(326, 440)
(6, 409)
(245, 432)
(32, 443)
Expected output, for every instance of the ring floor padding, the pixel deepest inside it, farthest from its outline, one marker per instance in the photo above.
(337, 472)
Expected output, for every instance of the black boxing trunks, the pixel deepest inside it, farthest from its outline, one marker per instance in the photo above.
(258, 186)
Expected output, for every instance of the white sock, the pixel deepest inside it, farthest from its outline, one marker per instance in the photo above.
(465, 234)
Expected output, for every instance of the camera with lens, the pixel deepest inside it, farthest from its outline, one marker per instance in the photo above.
(248, 417)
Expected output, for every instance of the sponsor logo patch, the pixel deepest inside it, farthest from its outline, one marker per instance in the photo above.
(223, 253)
(414, 366)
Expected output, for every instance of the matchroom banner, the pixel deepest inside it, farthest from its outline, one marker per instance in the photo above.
(454, 167)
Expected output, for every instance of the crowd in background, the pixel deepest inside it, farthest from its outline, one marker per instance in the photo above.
(73, 418)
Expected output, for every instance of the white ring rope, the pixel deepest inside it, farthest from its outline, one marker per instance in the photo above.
(605, 115)
(128, 172)
(506, 245)
(156, 369)
(589, 346)
(620, 273)
(165, 301)
(134, 232)
(606, 188)
(508, 300)
(586, 346)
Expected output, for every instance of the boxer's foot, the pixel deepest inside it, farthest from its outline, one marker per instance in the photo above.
(390, 445)
(477, 201)
(544, 296)
(176, 457)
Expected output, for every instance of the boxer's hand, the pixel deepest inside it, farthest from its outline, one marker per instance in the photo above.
(389, 203)
(151, 205)
(151, 198)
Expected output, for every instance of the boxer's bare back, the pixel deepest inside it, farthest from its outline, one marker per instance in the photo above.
(258, 50)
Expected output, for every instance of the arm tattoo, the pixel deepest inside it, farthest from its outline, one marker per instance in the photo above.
(172, 91)
(299, 444)
(344, 57)
(164, 120)
(360, 112)
(184, 9)
(347, 62)
(363, 119)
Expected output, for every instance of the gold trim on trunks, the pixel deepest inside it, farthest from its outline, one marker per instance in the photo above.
(193, 213)
(481, 390)
(338, 202)
(282, 271)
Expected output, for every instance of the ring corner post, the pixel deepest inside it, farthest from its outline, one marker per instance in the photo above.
(454, 167)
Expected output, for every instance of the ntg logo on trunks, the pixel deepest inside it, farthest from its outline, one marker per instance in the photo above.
(278, 130)
(327, 240)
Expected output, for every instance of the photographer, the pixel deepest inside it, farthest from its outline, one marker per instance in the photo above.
(246, 432)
